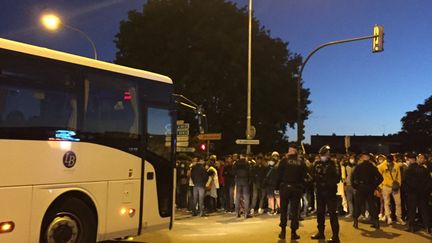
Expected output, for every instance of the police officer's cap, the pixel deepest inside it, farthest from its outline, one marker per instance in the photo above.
(324, 150)
(411, 155)
(364, 153)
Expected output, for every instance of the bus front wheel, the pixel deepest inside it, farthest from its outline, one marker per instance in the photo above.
(70, 221)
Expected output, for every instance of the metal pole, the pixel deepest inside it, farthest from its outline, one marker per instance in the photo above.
(85, 36)
(300, 119)
(249, 97)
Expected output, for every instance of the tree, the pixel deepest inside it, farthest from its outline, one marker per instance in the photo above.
(202, 46)
(416, 131)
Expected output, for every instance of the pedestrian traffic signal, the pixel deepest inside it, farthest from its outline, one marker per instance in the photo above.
(378, 39)
(203, 147)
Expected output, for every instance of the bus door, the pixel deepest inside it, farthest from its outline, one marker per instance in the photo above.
(158, 173)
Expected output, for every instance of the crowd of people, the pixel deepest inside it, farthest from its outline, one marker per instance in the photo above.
(391, 189)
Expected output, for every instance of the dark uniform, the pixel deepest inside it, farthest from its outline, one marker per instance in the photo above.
(417, 185)
(326, 175)
(365, 179)
(291, 178)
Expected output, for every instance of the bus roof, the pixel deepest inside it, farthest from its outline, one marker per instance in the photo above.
(75, 59)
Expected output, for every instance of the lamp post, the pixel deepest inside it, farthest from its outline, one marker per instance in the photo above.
(52, 22)
(378, 40)
(249, 134)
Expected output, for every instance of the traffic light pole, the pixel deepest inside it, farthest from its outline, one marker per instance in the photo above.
(300, 115)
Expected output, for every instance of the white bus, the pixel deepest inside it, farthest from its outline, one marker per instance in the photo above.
(82, 148)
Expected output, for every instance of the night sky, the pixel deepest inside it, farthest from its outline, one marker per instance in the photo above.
(353, 90)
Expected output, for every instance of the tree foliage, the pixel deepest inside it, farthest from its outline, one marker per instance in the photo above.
(202, 45)
(416, 131)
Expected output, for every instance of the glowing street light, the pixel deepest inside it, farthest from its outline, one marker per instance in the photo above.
(52, 22)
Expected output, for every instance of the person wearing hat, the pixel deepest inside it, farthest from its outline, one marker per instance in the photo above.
(366, 179)
(291, 179)
(270, 184)
(326, 175)
(417, 183)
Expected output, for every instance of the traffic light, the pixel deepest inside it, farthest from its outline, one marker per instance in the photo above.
(378, 39)
(203, 147)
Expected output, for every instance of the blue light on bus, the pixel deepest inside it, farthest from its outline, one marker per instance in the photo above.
(66, 135)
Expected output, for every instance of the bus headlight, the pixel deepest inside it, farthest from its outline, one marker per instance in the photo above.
(6, 227)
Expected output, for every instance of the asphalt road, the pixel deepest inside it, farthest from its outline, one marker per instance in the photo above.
(226, 228)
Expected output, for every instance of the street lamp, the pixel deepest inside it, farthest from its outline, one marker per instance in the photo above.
(52, 22)
(377, 46)
(249, 133)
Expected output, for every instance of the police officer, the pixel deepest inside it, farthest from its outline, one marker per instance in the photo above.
(326, 175)
(417, 184)
(366, 179)
(292, 174)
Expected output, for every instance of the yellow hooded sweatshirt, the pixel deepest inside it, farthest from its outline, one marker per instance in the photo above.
(395, 173)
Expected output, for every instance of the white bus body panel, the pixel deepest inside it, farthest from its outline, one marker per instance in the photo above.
(84, 61)
(43, 196)
(15, 205)
(99, 171)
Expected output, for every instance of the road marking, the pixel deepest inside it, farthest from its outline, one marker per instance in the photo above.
(212, 234)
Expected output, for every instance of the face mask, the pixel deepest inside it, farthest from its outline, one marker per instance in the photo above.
(323, 158)
(271, 163)
(352, 161)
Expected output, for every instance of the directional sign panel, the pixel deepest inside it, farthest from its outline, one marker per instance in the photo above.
(186, 149)
(184, 126)
(182, 138)
(210, 136)
(182, 144)
(247, 141)
(183, 133)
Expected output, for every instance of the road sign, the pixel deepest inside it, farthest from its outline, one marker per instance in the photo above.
(182, 138)
(184, 126)
(183, 133)
(182, 144)
(248, 141)
(186, 149)
(210, 136)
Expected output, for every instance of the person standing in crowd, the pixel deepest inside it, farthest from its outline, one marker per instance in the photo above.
(259, 172)
(229, 184)
(347, 170)
(307, 197)
(366, 179)
(220, 166)
(270, 184)
(199, 178)
(417, 184)
(241, 171)
(326, 175)
(391, 187)
(291, 179)
(212, 184)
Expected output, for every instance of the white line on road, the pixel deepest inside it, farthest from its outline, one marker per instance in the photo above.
(212, 234)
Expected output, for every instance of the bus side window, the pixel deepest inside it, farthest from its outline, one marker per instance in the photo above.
(111, 108)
